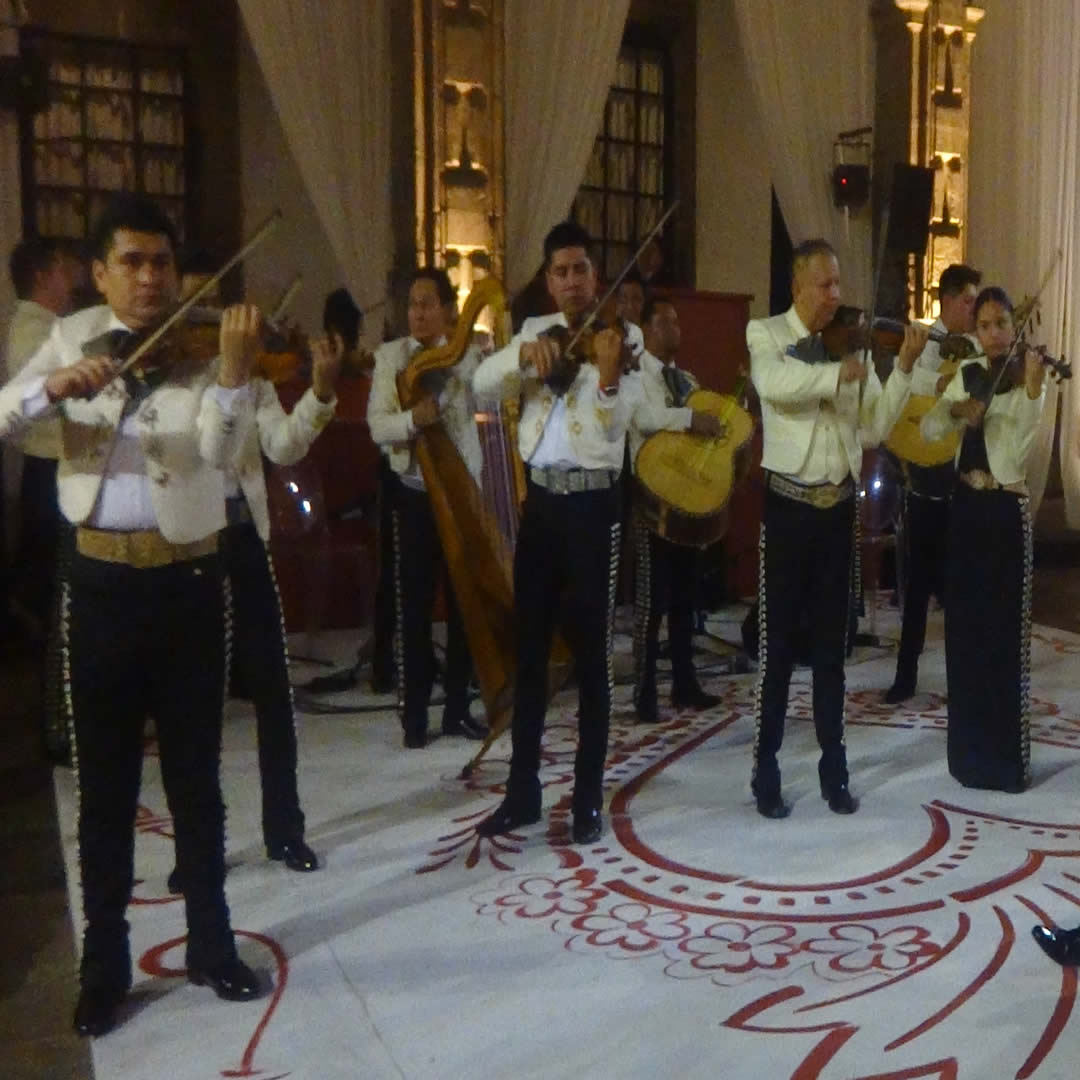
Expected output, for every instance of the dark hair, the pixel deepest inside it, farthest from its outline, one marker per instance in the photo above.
(993, 294)
(126, 210)
(956, 278)
(340, 315)
(567, 234)
(200, 262)
(807, 250)
(439, 278)
(651, 304)
(30, 258)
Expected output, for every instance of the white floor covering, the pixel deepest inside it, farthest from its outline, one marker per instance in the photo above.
(696, 939)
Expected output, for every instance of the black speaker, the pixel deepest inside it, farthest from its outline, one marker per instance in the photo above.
(909, 208)
(851, 185)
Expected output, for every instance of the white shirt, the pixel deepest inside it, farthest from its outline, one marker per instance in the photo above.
(657, 411)
(925, 374)
(30, 326)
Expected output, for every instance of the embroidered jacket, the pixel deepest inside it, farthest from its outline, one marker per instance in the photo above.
(185, 440)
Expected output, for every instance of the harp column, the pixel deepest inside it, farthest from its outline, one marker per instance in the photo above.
(923, 117)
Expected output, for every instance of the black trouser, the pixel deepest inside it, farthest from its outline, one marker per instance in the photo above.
(926, 532)
(260, 662)
(39, 536)
(418, 565)
(148, 642)
(805, 569)
(382, 657)
(664, 582)
(566, 544)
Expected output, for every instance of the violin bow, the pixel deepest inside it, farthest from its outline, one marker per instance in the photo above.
(882, 237)
(622, 274)
(264, 230)
(287, 298)
(1022, 328)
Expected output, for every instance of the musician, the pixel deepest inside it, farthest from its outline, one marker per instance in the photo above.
(927, 490)
(571, 436)
(817, 414)
(259, 659)
(418, 558)
(138, 477)
(630, 298)
(665, 573)
(46, 275)
(988, 644)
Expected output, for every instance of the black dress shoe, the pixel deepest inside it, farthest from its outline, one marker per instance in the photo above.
(900, 690)
(296, 855)
(645, 709)
(231, 980)
(172, 882)
(1062, 946)
(772, 806)
(693, 697)
(588, 825)
(507, 817)
(840, 800)
(95, 1012)
(466, 726)
(415, 740)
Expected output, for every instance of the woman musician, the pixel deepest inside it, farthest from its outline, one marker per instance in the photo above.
(989, 554)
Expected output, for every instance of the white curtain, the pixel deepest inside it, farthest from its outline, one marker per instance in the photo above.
(560, 61)
(328, 70)
(811, 67)
(1024, 192)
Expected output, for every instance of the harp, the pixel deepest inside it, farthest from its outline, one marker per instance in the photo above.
(478, 554)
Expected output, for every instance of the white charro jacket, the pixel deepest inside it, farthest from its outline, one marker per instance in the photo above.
(391, 426)
(185, 437)
(597, 424)
(1011, 422)
(792, 392)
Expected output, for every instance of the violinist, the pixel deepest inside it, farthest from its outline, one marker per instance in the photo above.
(572, 435)
(259, 662)
(139, 479)
(818, 411)
(418, 558)
(928, 489)
(665, 574)
(988, 567)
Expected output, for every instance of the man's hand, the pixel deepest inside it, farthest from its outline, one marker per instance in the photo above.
(915, 338)
(425, 413)
(707, 425)
(969, 410)
(943, 381)
(239, 334)
(607, 345)
(852, 369)
(80, 380)
(326, 357)
(1034, 373)
(542, 355)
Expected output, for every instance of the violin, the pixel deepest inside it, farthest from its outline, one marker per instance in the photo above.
(578, 344)
(1008, 372)
(848, 332)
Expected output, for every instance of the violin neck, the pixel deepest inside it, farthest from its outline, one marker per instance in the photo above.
(895, 326)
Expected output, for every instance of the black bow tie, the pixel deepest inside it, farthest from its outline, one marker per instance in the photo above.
(678, 384)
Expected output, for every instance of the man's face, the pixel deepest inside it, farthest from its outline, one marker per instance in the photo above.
(958, 311)
(428, 316)
(571, 280)
(816, 291)
(57, 287)
(137, 277)
(662, 333)
(629, 301)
